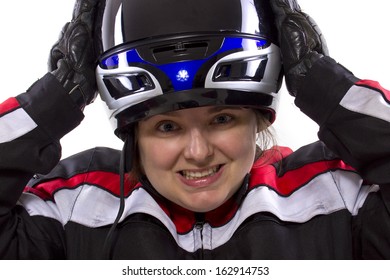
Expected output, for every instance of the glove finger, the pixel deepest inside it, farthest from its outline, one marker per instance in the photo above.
(292, 4)
(80, 48)
(55, 56)
(281, 10)
(90, 13)
(284, 7)
(293, 43)
(57, 52)
(298, 38)
(97, 32)
(84, 11)
(321, 47)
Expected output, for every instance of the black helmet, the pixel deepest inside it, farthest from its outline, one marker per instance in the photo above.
(166, 55)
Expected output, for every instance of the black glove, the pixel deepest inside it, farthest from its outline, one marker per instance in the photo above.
(73, 58)
(301, 42)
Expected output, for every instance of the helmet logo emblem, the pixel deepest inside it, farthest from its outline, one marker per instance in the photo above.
(182, 75)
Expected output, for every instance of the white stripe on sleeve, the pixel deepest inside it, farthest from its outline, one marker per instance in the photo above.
(15, 124)
(366, 101)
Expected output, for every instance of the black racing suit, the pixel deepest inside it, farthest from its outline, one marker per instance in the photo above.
(327, 200)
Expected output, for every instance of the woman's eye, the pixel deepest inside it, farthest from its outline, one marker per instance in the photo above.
(222, 119)
(167, 127)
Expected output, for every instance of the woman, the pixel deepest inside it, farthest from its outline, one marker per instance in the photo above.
(190, 97)
(186, 155)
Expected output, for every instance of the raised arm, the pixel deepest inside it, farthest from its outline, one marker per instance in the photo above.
(353, 114)
(31, 126)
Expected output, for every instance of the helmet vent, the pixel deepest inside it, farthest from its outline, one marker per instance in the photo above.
(180, 51)
(241, 70)
(127, 84)
(177, 50)
(182, 47)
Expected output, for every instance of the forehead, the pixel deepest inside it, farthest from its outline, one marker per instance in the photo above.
(205, 110)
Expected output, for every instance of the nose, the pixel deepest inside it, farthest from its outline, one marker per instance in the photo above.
(199, 148)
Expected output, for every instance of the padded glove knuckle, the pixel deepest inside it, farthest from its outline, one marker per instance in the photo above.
(301, 42)
(72, 59)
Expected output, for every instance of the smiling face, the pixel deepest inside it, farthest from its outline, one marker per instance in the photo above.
(198, 157)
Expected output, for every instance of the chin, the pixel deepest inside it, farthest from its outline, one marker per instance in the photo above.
(202, 207)
(205, 201)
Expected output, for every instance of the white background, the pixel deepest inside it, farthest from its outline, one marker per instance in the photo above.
(357, 33)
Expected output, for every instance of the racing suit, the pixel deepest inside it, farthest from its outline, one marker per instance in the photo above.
(327, 200)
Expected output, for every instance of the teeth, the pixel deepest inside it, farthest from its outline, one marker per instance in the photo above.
(190, 175)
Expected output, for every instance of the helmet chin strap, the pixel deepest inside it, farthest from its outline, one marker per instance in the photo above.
(125, 166)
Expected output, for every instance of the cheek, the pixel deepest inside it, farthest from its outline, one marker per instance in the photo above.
(157, 155)
(241, 144)
(247, 152)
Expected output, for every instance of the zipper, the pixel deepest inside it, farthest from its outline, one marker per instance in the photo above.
(199, 229)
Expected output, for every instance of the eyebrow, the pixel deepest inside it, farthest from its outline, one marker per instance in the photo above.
(216, 109)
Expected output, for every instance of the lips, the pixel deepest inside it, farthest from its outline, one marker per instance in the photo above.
(201, 178)
(194, 175)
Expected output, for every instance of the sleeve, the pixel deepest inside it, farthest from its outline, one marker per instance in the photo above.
(31, 126)
(353, 115)
(354, 120)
